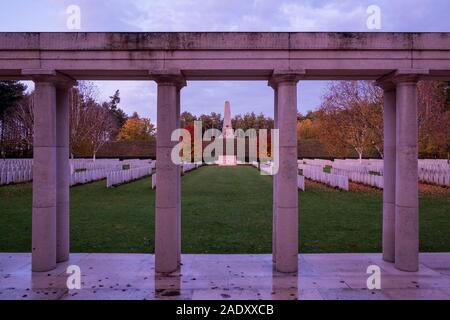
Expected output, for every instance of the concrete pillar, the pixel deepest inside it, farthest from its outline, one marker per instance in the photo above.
(274, 184)
(179, 217)
(406, 177)
(167, 221)
(389, 173)
(286, 192)
(62, 172)
(51, 171)
(44, 177)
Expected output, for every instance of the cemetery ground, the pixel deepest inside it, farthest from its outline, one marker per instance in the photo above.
(225, 210)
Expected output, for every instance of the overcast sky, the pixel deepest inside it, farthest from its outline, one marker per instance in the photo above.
(221, 15)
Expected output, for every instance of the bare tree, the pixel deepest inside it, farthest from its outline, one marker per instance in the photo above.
(24, 116)
(78, 127)
(91, 124)
(100, 125)
(351, 117)
(433, 118)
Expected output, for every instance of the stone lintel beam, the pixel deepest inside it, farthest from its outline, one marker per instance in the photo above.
(168, 77)
(46, 75)
(389, 81)
(281, 76)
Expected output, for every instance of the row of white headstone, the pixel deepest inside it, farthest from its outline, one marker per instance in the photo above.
(316, 162)
(190, 166)
(14, 163)
(109, 164)
(82, 170)
(434, 164)
(368, 179)
(116, 178)
(90, 164)
(16, 171)
(15, 176)
(301, 182)
(88, 176)
(267, 168)
(370, 171)
(186, 167)
(317, 174)
(115, 172)
(361, 168)
(433, 176)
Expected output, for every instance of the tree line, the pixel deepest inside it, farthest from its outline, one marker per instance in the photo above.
(92, 123)
(348, 123)
(214, 120)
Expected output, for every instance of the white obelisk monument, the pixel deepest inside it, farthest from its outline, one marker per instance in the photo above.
(229, 158)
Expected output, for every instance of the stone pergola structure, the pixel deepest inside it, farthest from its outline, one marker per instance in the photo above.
(54, 61)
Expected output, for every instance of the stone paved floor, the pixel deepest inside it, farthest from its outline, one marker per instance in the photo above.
(131, 276)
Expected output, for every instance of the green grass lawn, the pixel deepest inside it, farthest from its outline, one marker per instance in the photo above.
(225, 210)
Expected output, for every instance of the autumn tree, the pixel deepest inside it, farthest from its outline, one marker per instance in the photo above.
(350, 118)
(252, 121)
(308, 139)
(187, 122)
(91, 124)
(446, 135)
(136, 128)
(434, 118)
(190, 128)
(187, 119)
(307, 129)
(214, 120)
(102, 126)
(373, 115)
(211, 121)
(80, 98)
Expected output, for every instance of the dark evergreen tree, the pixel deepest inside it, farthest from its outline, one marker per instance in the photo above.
(11, 92)
(119, 115)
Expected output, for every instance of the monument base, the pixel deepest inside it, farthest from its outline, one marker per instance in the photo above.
(227, 161)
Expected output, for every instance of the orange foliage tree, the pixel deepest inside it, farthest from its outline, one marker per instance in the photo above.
(137, 129)
(351, 118)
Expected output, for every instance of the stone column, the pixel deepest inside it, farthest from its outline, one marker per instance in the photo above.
(44, 177)
(179, 217)
(50, 216)
(62, 171)
(286, 192)
(274, 184)
(389, 153)
(406, 176)
(167, 237)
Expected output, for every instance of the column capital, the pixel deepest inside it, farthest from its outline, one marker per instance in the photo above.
(59, 79)
(168, 77)
(285, 76)
(386, 85)
(389, 81)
